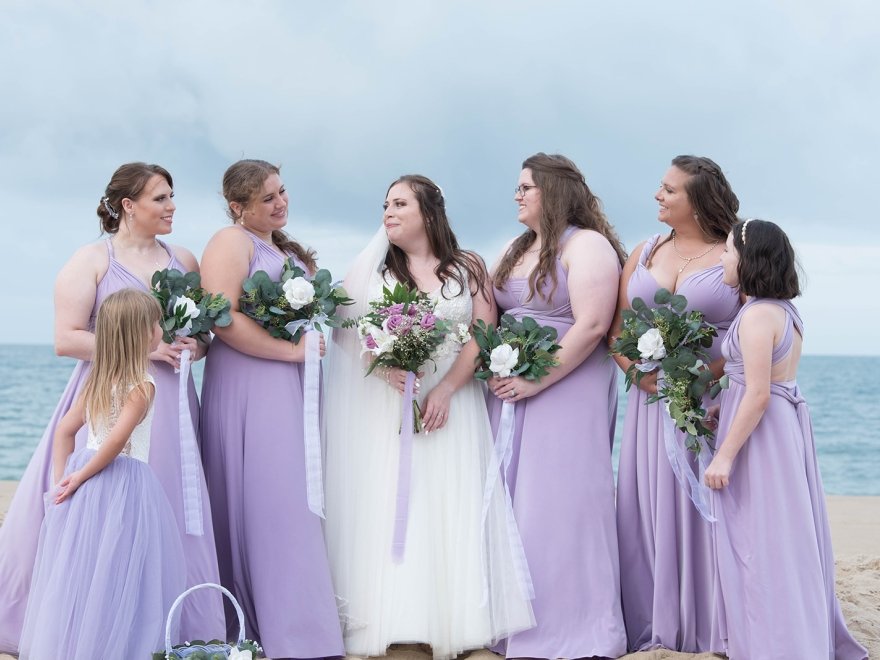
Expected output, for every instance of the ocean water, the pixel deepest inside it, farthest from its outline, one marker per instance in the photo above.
(844, 405)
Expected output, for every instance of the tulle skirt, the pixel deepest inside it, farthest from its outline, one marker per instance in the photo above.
(461, 583)
(109, 565)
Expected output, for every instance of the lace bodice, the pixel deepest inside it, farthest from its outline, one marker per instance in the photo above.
(138, 445)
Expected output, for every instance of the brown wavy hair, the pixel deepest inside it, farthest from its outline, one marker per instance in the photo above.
(455, 263)
(767, 265)
(127, 182)
(566, 200)
(242, 183)
(710, 195)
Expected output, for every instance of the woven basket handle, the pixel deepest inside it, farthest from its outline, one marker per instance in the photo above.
(186, 593)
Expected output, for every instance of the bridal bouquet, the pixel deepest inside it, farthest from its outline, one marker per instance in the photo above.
(401, 330)
(669, 338)
(188, 310)
(294, 304)
(515, 348)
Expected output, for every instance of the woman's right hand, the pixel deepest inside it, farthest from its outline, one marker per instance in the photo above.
(648, 383)
(396, 378)
(299, 348)
(168, 353)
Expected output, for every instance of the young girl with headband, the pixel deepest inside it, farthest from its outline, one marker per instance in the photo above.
(110, 561)
(775, 568)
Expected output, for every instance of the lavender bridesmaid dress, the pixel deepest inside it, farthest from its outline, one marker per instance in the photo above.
(665, 545)
(561, 481)
(774, 565)
(203, 613)
(270, 546)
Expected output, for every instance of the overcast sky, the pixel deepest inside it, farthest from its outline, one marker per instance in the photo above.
(347, 96)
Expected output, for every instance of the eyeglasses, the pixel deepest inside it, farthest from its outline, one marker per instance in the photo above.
(522, 189)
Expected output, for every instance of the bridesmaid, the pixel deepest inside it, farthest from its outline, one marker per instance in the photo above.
(665, 545)
(270, 546)
(775, 568)
(563, 271)
(136, 208)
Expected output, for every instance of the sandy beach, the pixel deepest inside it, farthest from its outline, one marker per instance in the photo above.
(855, 530)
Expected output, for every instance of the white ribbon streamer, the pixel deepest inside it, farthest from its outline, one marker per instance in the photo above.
(311, 424)
(501, 456)
(189, 453)
(677, 454)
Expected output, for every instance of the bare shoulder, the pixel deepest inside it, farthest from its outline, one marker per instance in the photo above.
(185, 257)
(229, 239)
(587, 242)
(91, 258)
(762, 320)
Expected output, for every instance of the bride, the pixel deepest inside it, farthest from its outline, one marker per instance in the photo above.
(462, 582)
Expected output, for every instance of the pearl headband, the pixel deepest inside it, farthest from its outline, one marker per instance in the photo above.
(743, 233)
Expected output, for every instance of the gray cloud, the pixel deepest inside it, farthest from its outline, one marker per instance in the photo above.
(349, 95)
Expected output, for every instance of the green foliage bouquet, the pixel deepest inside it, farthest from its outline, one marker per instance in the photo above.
(669, 338)
(187, 308)
(289, 307)
(515, 348)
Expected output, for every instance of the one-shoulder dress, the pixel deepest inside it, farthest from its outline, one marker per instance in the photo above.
(665, 545)
(774, 564)
(561, 481)
(202, 613)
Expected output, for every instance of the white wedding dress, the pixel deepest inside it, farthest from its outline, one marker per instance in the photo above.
(463, 582)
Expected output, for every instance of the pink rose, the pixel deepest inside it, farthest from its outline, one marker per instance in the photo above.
(370, 343)
(397, 324)
(394, 309)
(428, 321)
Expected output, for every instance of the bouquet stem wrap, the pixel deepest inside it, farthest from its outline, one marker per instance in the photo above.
(692, 484)
(500, 459)
(404, 467)
(189, 453)
(311, 424)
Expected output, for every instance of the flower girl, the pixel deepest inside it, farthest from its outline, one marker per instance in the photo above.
(774, 589)
(110, 561)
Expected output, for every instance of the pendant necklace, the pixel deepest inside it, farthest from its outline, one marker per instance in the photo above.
(688, 260)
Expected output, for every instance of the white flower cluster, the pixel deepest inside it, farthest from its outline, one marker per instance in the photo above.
(453, 342)
(299, 292)
(503, 359)
(190, 311)
(651, 345)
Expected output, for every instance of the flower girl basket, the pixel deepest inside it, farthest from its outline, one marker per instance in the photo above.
(241, 649)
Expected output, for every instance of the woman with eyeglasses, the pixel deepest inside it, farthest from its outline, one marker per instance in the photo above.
(665, 544)
(563, 271)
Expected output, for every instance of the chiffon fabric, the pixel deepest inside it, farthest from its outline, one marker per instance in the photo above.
(665, 545)
(774, 581)
(203, 614)
(109, 562)
(561, 481)
(457, 586)
(269, 545)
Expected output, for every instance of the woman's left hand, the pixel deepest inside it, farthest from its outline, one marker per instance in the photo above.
(514, 388)
(717, 475)
(435, 409)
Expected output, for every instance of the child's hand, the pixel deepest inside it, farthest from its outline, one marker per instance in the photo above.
(68, 486)
(717, 475)
(710, 421)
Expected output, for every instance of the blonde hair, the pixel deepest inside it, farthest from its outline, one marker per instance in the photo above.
(123, 333)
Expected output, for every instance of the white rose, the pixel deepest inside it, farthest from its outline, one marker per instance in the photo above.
(299, 292)
(239, 654)
(503, 359)
(189, 309)
(464, 333)
(651, 345)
